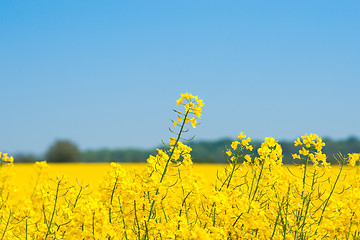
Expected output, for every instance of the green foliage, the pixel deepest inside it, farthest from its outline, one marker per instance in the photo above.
(203, 152)
(26, 158)
(213, 151)
(63, 151)
(119, 155)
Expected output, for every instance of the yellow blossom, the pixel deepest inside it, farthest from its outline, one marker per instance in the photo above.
(179, 101)
(298, 142)
(234, 144)
(241, 136)
(249, 147)
(228, 152)
(193, 122)
(304, 152)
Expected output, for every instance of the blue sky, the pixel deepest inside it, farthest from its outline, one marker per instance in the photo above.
(108, 73)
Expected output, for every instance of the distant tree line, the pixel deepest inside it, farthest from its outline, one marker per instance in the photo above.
(203, 152)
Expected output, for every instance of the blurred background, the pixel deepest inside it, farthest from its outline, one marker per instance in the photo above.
(99, 79)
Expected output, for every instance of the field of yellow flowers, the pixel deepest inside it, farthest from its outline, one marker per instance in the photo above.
(252, 197)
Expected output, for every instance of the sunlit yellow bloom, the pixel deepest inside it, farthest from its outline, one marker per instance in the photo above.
(304, 152)
(41, 164)
(295, 156)
(319, 144)
(193, 122)
(228, 152)
(5, 157)
(249, 147)
(172, 141)
(234, 144)
(353, 158)
(197, 111)
(187, 96)
(179, 101)
(298, 142)
(187, 120)
(188, 107)
(246, 141)
(241, 136)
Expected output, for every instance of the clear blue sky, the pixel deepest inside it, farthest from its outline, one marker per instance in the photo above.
(108, 73)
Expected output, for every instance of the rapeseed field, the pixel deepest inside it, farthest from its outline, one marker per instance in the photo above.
(254, 196)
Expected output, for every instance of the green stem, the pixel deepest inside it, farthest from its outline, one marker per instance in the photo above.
(286, 213)
(167, 162)
(305, 170)
(328, 199)
(7, 224)
(173, 150)
(78, 196)
(93, 225)
(300, 212)
(308, 199)
(112, 197)
(54, 210)
(136, 220)
(351, 223)
(228, 179)
(214, 214)
(277, 218)
(26, 229)
(258, 180)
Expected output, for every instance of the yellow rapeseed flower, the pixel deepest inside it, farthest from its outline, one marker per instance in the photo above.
(241, 136)
(228, 152)
(193, 122)
(298, 142)
(234, 145)
(304, 152)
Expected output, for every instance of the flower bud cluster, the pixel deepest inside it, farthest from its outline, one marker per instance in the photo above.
(192, 105)
(5, 159)
(241, 144)
(353, 158)
(312, 148)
